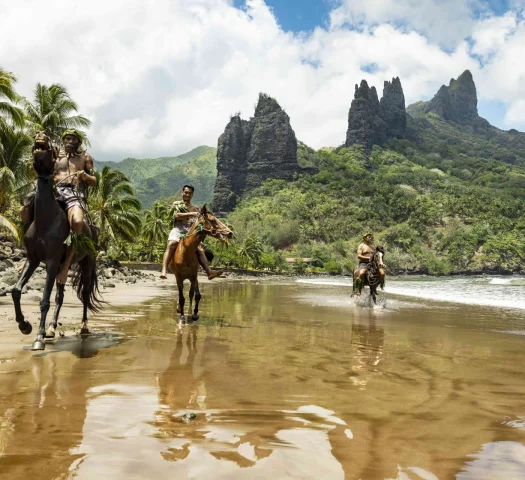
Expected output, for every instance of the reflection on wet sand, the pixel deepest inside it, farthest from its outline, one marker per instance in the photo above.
(274, 382)
(43, 406)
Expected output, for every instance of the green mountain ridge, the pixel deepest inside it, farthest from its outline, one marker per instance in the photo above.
(156, 178)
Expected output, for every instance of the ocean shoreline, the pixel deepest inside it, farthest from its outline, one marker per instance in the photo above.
(151, 267)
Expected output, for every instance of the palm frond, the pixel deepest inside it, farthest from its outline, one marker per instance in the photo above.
(7, 225)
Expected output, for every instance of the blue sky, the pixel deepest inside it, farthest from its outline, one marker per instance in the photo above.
(298, 15)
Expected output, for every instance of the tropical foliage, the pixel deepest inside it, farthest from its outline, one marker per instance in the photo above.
(155, 228)
(114, 208)
(52, 111)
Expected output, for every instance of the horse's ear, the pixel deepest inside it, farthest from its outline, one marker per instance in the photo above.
(204, 210)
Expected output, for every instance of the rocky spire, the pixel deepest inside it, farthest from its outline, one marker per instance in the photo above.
(273, 146)
(393, 108)
(365, 123)
(250, 152)
(231, 164)
(458, 102)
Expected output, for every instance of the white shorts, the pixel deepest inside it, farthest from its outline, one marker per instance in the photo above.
(175, 234)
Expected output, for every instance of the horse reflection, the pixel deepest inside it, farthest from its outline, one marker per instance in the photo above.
(367, 346)
(47, 405)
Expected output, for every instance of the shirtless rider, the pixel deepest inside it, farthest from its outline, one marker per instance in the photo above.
(364, 254)
(187, 215)
(73, 170)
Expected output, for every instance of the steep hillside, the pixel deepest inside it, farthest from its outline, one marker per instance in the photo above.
(155, 178)
(429, 219)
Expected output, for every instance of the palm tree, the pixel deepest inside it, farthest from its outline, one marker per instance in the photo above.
(14, 168)
(52, 111)
(114, 208)
(11, 116)
(13, 147)
(154, 228)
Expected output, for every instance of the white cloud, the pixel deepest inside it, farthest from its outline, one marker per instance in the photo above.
(162, 79)
(445, 21)
(516, 113)
(490, 34)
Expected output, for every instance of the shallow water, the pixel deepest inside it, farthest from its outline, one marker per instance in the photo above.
(278, 379)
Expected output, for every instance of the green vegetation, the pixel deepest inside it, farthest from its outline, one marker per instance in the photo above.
(156, 178)
(429, 215)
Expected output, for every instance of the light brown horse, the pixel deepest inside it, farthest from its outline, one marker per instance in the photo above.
(185, 264)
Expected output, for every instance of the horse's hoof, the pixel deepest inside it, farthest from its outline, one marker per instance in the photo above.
(195, 316)
(50, 332)
(25, 327)
(39, 345)
(84, 331)
(182, 319)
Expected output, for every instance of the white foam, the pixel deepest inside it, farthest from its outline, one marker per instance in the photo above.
(498, 292)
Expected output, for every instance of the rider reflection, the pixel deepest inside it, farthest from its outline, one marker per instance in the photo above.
(367, 347)
(178, 387)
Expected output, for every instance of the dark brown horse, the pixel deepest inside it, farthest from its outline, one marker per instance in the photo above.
(372, 277)
(44, 241)
(185, 263)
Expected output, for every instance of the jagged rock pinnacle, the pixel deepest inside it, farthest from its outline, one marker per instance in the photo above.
(250, 152)
(458, 102)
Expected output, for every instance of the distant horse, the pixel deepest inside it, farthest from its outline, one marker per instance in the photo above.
(185, 263)
(44, 241)
(372, 277)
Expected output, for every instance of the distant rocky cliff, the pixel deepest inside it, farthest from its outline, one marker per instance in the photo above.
(250, 152)
(456, 103)
(372, 122)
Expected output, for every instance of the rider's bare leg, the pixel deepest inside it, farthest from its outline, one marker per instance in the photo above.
(362, 274)
(75, 216)
(168, 255)
(204, 264)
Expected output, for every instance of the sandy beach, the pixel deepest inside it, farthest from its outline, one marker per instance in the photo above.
(129, 295)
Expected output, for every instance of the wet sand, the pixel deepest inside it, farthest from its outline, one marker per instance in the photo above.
(276, 380)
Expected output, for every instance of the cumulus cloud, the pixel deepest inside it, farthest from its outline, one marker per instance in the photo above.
(443, 21)
(162, 78)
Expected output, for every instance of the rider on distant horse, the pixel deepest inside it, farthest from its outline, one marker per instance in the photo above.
(186, 215)
(73, 170)
(365, 253)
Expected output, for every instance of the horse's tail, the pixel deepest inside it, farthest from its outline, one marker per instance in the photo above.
(85, 280)
(85, 283)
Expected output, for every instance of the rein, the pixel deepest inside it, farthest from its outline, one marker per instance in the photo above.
(198, 229)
